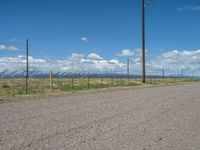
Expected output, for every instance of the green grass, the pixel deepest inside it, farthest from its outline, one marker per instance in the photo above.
(12, 87)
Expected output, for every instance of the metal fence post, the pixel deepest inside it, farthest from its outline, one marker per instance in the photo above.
(72, 83)
(112, 81)
(12, 89)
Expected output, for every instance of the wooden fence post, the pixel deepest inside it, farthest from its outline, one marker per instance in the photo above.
(88, 82)
(51, 81)
(72, 83)
(101, 81)
(112, 81)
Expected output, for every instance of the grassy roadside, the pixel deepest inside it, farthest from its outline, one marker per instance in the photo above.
(14, 87)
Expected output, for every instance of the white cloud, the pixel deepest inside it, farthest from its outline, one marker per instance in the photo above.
(75, 63)
(189, 8)
(173, 62)
(84, 39)
(94, 56)
(8, 47)
(132, 53)
(76, 57)
(176, 60)
(127, 52)
(3, 47)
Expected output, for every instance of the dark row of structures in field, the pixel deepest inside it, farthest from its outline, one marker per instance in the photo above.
(33, 74)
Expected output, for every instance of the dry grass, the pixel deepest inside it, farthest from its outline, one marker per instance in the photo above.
(12, 87)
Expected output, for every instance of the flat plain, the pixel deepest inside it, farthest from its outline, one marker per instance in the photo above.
(154, 118)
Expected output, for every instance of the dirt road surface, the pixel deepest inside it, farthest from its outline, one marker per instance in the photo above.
(158, 118)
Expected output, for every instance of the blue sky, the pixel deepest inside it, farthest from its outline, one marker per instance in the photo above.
(55, 27)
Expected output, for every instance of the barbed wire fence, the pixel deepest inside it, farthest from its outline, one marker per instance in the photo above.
(76, 72)
(64, 81)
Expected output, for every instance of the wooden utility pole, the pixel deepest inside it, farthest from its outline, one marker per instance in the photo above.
(143, 43)
(27, 69)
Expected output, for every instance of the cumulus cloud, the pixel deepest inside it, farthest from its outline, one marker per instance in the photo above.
(94, 56)
(173, 61)
(84, 39)
(8, 47)
(75, 63)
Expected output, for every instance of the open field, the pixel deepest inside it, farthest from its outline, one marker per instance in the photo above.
(157, 118)
(12, 87)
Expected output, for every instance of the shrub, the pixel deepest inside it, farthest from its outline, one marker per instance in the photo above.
(5, 86)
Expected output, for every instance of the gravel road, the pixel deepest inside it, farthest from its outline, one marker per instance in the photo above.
(158, 118)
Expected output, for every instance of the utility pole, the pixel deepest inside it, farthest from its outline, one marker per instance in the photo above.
(128, 67)
(143, 43)
(27, 71)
